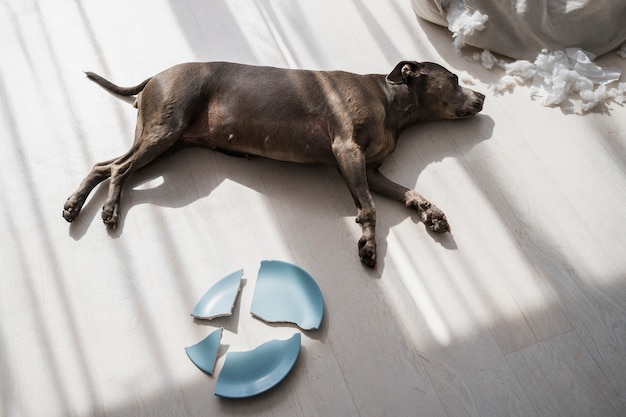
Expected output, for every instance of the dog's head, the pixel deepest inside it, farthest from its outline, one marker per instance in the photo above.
(437, 90)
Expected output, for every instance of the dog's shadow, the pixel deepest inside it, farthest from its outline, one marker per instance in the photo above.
(192, 174)
(311, 201)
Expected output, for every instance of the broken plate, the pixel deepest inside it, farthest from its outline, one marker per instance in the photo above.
(250, 373)
(204, 353)
(286, 293)
(219, 300)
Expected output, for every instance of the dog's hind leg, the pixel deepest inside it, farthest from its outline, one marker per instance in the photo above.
(75, 202)
(430, 214)
(153, 142)
(100, 172)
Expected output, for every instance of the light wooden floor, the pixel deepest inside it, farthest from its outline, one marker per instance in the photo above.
(520, 312)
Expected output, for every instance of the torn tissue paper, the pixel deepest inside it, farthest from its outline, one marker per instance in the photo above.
(557, 76)
(583, 64)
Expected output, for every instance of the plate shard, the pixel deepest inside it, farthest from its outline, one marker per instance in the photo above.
(285, 293)
(246, 374)
(204, 353)
(219, 300)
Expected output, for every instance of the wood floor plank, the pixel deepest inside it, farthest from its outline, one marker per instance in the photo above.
(472, 378)
(561, 378)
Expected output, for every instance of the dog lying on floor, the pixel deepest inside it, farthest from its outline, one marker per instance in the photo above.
(312, 117)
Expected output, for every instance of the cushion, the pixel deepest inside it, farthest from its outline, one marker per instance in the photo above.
(522, 28)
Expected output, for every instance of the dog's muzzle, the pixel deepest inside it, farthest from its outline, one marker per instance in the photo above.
(473, 108)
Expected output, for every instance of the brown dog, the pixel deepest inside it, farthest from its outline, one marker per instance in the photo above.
(315, 117)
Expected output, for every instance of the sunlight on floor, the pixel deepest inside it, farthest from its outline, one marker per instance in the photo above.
(473, 289)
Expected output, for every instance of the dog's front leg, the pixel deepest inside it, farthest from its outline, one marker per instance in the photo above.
(351, 161)
(430, 214)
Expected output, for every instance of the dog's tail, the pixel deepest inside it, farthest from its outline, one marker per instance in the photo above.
(109, 86)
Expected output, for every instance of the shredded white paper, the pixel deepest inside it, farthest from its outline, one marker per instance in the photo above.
(559, 75)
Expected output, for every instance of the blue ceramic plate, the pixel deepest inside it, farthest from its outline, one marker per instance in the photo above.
(285, 293)
(218, 301)
(204, 353)
(250, 373)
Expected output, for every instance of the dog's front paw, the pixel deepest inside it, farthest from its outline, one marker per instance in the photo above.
(367, 252)
(71, 210)
(110, 216)
(434, 218)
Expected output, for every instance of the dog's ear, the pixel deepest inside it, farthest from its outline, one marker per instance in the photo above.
(402, 72)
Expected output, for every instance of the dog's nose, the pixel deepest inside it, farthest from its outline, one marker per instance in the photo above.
(473, 104)
(478, 102)
(480, 97)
